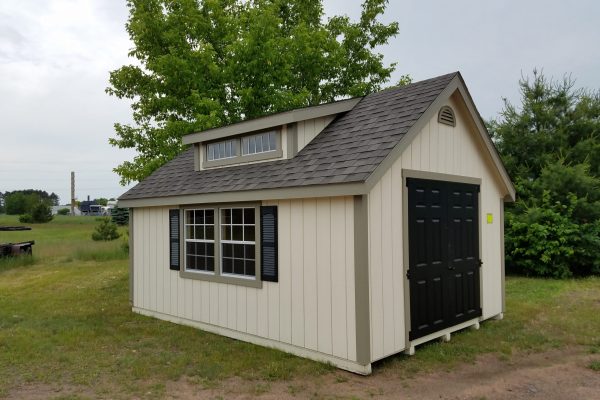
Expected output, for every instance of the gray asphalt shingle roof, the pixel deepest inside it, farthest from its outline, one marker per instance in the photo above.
(348, 150)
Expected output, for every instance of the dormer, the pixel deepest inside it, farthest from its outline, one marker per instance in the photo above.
(274, 137)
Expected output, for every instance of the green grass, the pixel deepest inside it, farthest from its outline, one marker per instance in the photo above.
(65, 320)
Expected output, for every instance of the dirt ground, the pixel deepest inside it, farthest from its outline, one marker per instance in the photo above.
(558, 374)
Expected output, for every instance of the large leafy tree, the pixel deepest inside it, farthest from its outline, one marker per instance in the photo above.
(550, 145)
(207, 63)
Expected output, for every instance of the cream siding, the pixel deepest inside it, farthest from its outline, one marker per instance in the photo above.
(312, 305)
(310, 128)
(442, 149)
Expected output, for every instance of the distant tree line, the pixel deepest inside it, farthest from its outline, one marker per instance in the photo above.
(550, 145)
(23, 201)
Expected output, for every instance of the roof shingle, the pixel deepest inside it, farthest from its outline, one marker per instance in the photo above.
(348, 150)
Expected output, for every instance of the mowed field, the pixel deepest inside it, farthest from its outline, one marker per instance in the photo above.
(67, 332)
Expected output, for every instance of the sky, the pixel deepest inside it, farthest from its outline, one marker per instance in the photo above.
(55, 57)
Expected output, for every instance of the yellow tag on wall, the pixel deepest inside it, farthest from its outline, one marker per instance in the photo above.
(490, 218)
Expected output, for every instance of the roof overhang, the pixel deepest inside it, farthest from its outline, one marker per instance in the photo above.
(297, 192)
(270, 121)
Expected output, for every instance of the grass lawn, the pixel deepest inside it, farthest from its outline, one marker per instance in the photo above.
(65, 320)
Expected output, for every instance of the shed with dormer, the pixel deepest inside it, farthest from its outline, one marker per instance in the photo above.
(344, 232)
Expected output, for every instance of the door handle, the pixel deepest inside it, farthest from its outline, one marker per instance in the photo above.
(450, 267)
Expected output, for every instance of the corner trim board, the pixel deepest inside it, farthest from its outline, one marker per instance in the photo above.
(502, 256)
(131, 254)
(361, 280)
(342, 363)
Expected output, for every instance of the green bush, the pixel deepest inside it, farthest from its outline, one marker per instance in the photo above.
(25, 219)
(106, 230)
(120, 216)
(545, 240)
(63, 211)
(41, 213)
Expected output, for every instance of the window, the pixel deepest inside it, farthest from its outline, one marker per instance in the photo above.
(199, 228)
(238, 247)
(221, 150)
(261, 143)
(222, 243)
(242, 149)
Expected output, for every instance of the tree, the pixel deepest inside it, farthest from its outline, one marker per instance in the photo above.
(106, 230)
(102, 201)
(23, 201)
(551, 148)
(210, 63)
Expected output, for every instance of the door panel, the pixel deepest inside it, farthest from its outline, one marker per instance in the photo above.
(443, 254)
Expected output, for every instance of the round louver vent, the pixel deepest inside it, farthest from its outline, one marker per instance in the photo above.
(446, 116)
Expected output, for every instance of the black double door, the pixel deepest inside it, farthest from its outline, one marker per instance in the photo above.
(444, 262)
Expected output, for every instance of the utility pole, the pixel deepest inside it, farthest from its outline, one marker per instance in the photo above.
(72, 192)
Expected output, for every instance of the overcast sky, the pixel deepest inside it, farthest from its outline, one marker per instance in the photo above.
(55, 56)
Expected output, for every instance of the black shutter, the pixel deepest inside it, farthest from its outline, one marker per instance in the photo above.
(174, 230)
(268, 238)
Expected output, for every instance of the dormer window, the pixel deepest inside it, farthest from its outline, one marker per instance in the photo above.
(261, 146)
(221, 150)
(260, 143)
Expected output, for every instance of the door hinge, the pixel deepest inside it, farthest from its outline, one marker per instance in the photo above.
(408, 274)
(480, 263)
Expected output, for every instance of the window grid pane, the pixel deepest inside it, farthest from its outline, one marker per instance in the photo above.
(238, 247)
(259, 143)
(220, 150)
(199, 231)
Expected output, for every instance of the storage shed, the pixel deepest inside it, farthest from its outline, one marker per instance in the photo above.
(344, 232)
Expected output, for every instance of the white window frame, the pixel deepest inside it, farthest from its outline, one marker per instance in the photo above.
(186, 240)
(237, 242)
(218, 275)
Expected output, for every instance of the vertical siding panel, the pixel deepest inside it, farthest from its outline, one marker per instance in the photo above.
(180, 294)
(205, 301)
(324, 275)
(240, 308)
(425, 147)
(137, 256)
(300, 133)
(252, 310)
(153, 253)
(285, 272)
(350, 299)
(386, 263)
(188, 298)
(158, 245)
(310, 274)
(376, 278)
(339, 332)
(416, 152)
(263, 311)
(196, 300)
(434, 145)
(397, 254)
(144, 257)
(231, 306)
(214, 303)
(222, 306)
(147, 257)
(273, 293)
(163, 265)
(297, 271)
